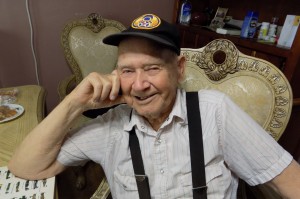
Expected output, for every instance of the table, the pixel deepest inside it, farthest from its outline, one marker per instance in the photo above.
(32, 98)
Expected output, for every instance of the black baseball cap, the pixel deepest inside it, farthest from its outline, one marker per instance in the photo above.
(151, 27)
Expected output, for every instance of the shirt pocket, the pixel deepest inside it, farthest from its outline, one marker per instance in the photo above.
(213, 175)
(127, 182)
(125, 185)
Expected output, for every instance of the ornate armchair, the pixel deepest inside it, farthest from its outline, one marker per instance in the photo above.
(84, 50)
(256, 85)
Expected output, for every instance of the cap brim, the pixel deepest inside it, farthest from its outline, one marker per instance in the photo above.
(115, 39)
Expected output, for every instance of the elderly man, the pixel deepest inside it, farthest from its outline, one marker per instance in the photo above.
(143, 144)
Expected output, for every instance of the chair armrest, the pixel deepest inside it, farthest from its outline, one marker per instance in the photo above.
(41, 107)
(66, 86)
(102, 191)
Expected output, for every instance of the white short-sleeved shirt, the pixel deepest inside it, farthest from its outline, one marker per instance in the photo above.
(234, 147)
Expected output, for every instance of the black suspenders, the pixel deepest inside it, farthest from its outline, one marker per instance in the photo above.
(138, 166)
(196, 146)
(196, 151)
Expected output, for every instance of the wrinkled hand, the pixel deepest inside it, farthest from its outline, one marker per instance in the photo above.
(97, 91)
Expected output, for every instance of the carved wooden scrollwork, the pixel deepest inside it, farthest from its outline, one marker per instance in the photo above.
(95, 22)
(221, 62)
(210, 62)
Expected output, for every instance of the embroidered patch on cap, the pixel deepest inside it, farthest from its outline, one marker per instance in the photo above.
(147, 21)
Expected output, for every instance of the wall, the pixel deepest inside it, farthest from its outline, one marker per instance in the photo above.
(48, 19)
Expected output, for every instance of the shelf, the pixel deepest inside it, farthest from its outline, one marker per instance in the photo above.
(271, 49)
(283, 58)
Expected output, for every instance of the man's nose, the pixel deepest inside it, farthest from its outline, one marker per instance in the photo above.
(141, 81)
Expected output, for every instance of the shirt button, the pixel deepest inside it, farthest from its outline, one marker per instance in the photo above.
(162, 171)
(142, 127)
(159, 141)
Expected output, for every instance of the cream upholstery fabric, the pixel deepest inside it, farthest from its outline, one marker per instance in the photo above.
(87, 49)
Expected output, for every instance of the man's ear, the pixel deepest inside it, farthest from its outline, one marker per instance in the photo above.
(181, 61)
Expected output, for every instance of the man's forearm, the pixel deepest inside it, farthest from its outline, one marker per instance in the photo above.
(287, 184)
(39, 149)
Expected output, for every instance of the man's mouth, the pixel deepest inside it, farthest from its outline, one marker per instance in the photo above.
(144, 98)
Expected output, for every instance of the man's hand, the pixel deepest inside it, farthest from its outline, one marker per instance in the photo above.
(97, 91)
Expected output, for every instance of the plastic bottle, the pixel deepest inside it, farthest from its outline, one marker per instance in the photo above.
(249, 25)
(272, 33)
(263, 32)
(185, 12)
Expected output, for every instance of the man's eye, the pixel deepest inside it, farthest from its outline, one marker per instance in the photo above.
(153, 70)
(127, 71)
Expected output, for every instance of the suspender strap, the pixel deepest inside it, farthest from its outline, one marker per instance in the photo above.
(138, 166)
(196, 146)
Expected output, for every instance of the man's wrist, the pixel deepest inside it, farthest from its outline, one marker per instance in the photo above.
(72, 107)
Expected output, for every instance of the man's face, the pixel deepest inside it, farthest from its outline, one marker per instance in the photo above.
(149, 78)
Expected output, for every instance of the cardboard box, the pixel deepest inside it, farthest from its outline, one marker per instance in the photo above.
(289, 31)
